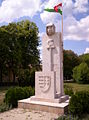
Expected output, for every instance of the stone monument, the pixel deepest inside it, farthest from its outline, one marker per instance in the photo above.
(49, 92)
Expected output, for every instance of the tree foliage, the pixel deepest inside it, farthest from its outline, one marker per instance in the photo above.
(70, 61)
(79, 103)
(85, 58)
(26, 77)
(81, 73)
(17, 93)
(18, 47)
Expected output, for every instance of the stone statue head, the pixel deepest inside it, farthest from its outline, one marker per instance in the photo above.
(50, 29)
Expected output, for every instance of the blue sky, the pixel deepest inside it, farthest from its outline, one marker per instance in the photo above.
(75, 14)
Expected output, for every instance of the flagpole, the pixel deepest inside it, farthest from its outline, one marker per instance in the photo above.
(62, 49)
(62, 33)
(62, 26)
(62, 21)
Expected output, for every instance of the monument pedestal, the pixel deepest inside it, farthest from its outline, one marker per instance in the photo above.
(56, 100)
(46, 98)
(51, 107)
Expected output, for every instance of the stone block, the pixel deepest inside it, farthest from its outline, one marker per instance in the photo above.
(45, 85)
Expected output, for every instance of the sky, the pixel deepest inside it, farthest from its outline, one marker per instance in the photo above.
(75, 19)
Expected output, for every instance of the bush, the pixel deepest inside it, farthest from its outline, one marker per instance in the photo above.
(14, 94)
(68, 90)
(4, 107)
(28, 91)
(26, 77)
(67, 117)
(79, 103)
(81, 73)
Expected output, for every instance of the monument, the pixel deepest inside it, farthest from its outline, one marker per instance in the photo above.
(49, 92)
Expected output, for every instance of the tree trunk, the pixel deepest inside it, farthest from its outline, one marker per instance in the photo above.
(13, 76)
(1, 74)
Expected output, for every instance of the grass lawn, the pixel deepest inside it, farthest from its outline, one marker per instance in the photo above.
(78, 87)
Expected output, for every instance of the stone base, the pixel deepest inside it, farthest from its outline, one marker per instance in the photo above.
(57, 108)
(56, 100)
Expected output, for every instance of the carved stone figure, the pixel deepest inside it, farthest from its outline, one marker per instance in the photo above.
(50, 29)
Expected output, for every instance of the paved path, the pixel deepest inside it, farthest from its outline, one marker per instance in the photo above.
(25, 114)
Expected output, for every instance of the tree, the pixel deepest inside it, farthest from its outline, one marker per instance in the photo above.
(29, 41)
(4, 51)
(19, 42)
(70, 61)
(81, 73)
(85, 58)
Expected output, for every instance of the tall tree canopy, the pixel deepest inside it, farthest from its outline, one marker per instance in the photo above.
(18, 46)
(85, 58)
(70, 61)
(81, 73)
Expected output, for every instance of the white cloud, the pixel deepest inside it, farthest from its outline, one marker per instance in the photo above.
(69, 8)
(86, 51)
(73, 29)
(46, 16)
(14, 9)
(76, 30)
(81, 6)
(51, 17)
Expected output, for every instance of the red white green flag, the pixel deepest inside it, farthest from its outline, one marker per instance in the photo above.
(57, 8)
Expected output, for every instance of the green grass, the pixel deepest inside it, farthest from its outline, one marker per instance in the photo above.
(78, 87)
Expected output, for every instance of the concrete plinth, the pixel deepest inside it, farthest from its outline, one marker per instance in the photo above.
(57, 108)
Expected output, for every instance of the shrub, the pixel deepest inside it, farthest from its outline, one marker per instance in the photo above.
(68, 90)
(4, 107)
(14, 94)
(26, 77)
(79, 103)
(28, 91)
(67, 117)
(81, 73)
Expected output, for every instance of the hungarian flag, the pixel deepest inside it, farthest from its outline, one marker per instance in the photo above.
(56, 9)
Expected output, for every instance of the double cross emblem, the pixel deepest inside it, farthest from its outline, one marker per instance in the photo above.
(44, 83)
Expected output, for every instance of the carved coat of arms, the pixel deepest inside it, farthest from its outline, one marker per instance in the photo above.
(44, 83)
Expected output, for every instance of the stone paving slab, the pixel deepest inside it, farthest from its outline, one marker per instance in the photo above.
(25, 114)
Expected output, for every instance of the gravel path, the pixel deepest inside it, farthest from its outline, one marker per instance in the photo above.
(25, 114)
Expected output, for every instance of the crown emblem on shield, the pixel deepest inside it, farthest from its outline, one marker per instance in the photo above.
(44, 83)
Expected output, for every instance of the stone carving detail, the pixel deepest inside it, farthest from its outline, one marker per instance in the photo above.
(50, 44)
(50, 29)
(44, 83)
